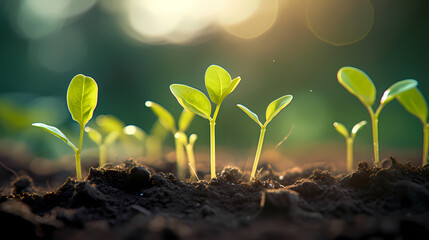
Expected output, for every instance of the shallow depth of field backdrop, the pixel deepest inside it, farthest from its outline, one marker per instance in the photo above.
(135, 49)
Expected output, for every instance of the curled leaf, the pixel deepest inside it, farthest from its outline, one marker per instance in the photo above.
(415, 103)
(276, 106)
(251, 114)
(396, 89)
(357, 127)
(192, 99)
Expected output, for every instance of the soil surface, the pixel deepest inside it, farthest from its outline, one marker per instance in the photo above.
(133, 201)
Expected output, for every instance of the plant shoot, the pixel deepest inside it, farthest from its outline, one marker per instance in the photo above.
(349, 140)
(82, 95)
(360, 85)
(219, 85)
(272, 110)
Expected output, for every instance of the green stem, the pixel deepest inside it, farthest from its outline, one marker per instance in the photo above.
(374, 123)
(258, 153)
(212, 150)
(77, 154)
(425, 143)
(349, 154)
(180, 158)
(191, 159)
(103, 155)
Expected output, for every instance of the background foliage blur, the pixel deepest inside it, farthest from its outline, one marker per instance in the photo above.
(135, 49)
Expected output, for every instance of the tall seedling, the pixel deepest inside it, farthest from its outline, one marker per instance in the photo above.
(219, 85)
(415, 103)
(272, 110)
(167, 120)
(82, 95)
(359, 84)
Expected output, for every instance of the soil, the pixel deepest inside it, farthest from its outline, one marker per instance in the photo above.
(133, 201)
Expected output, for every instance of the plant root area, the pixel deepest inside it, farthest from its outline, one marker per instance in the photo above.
(132, 201)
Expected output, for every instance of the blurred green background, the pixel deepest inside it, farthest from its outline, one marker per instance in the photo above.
(135, 49)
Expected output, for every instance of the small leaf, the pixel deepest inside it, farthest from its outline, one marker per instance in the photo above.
(357, 83)
(109, 123)
(111, 137)
(56, 132)
(276, 106)
(164, 116)
(396, 89)
(192, 99)
(234, 83)
(94, 135)
(82, 95)
(341, 129)
(185, 120)
(357, 127)
(251, 114)
(135, 131)
(217, 81)
(192, 139)
(415, 103)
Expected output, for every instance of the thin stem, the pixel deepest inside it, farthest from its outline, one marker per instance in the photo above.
(212, 150)
(191, 159)
(349, 142)
(103, 155)
(77, 154)
(180, 158)
(258, 153)
(374, 123)
(425, 143)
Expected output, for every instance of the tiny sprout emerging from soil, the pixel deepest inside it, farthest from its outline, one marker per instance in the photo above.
(349, 140)
(360, 85)
(82, 95)
(167, 120)
(189, 146)
(272, 110)
(102, 144)
(219, 85)
(415, 103)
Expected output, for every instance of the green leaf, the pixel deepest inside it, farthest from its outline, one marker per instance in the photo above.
(164, 116)
(396, 89)
(217, 81)
(111, 137)
(251, 114)
(357, 83)
(185, 120)
(94, 135)
(135, 131)
(276, 106)
(341, 129)
(82, 95)
(109, 123)
(234, 83)
(56, 132)
(192, 99)
(357, 127)
(415, 103)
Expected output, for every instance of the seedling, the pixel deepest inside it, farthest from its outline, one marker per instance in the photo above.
(167, 120)
(349, 140)
(360, 84)
(415, 103)
(272, 110)
(82, 95)
(219, 85)
(189, 146)
(102, 144)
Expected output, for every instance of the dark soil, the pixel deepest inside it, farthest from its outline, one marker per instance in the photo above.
(131, 201)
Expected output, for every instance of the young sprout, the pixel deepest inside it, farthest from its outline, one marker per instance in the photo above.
(82, 95)
(272, 110)
(189, 146)
(359, 84)
(349, 140)
(167, 120)
(415, 103)
(219, 85)
(153, 143)
(102, 144)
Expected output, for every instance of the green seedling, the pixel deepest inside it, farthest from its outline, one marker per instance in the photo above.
(154, 139)
(272, 110)
(349, 140)
(219, 85)
(102, 144)
(82, 95)
(167, 120)
(360, 85)
(189, 146)
(415, 103)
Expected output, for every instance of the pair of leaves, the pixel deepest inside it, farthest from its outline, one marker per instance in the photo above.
(415, 103)
(343, 130)
(272, 110)
(360, 84)
(167, 120)
(96, 136)
(219, 85)
(82, 95)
